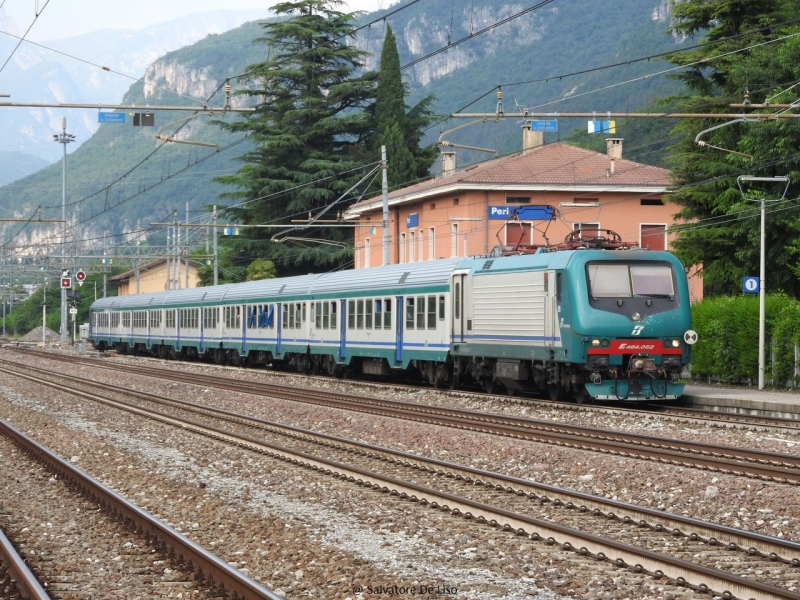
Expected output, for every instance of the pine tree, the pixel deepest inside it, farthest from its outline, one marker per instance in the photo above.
(725, 232)
(308, 126)
(397, 127)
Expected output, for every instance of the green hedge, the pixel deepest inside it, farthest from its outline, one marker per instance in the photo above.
(727, 346)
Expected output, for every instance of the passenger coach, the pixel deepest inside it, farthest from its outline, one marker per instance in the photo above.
(582, 323)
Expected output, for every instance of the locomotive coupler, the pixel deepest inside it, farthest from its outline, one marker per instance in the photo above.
(642, 363)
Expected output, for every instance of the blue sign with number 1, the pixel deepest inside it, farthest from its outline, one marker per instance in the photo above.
(750, 285)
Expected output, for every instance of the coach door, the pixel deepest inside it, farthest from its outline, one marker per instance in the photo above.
(279, 319)
(343, 330)
(244, 330)
(398, 344)
(457, 294)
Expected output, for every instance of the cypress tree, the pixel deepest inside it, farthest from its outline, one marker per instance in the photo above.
(308, 126)
(397, 127)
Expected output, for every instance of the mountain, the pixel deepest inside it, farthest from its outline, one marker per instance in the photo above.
(51, 73)
(122, 176)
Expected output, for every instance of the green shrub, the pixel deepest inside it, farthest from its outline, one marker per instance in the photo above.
(727, 346)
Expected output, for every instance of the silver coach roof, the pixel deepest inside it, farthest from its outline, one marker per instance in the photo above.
(434, 272)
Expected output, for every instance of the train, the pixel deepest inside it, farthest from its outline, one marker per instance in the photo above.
(585, 322)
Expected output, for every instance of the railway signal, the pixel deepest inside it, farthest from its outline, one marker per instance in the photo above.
(80, 277)
(66, 283)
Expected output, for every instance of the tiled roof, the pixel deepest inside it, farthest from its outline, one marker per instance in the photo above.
(546, 167)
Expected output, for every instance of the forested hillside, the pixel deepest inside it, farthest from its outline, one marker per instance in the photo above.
(122, 176)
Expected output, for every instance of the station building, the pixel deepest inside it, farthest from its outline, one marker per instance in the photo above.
(156, 276)
(536, 197)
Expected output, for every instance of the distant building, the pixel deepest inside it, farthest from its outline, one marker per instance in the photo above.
(153, 277)
(536, 197)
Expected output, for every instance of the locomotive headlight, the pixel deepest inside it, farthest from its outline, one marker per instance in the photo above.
(638, 364)
(675, 343)
(636, 316)
(595, 342)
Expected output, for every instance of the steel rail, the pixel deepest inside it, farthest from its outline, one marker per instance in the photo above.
(753, 542)
(212, 566)
(27, 583)
(726, 585)
(769, 466)
(778, 467)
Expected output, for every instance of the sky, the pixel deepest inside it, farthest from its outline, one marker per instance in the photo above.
(66, 18)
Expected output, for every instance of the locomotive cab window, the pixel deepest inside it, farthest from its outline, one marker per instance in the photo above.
(618, 280)
(652, 280)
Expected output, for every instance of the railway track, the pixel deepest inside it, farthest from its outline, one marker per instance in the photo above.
(751, 463)
(16, 579)
(700, 555)
(713, 418)
(142, 543)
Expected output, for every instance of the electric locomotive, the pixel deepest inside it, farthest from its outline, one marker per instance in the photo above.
(569, 321)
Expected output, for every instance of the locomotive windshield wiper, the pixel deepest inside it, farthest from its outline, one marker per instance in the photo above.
(670, 296)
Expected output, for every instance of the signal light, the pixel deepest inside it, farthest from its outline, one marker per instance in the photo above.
(66, 283)
(80, 277)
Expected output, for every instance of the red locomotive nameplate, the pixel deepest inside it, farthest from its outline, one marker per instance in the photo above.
(635, 347)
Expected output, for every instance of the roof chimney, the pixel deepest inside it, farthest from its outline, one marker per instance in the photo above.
(448, 163)
(614, 147)
(531, 139)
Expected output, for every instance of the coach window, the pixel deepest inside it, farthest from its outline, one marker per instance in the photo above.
(378, 315)
(420, 312)
(431, 312)
(360, 314)
(409, 313)
(333, 314)
(126, 319)
(304, 313)
(351, 314)
(316, 310)
(325, 310)
(387, 313)
(299, 309)
(457, 310)
(368, 314)
(441, 308)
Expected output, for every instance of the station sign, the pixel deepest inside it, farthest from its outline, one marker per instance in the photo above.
(750, 285)
(523, 213)
(549, 125)
(111, 117)
(412, 220)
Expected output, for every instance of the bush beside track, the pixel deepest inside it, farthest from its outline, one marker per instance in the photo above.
(727, 348)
